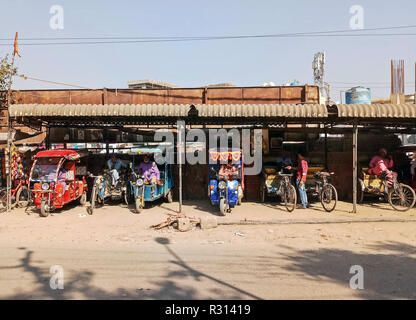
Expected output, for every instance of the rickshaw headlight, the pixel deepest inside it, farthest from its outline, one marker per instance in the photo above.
(222, 185)
(45, 186)
(139, 182)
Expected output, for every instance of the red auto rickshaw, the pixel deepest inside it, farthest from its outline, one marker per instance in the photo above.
(57, 177)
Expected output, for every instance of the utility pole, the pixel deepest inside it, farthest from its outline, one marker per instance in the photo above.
(9, 143)
(318, 66)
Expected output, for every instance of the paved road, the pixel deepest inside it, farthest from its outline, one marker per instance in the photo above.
(113, 254)
(161, 270)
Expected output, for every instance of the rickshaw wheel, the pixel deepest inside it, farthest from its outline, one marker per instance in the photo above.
(262, 194)
(138, 204)
(83, 199)
(223, 207)
(90, 210)
(169, 197)
(44, 208)
(3, 200)
(402, 198)
(22, 192)
(240, 196)
(126, 198)
(360, 191)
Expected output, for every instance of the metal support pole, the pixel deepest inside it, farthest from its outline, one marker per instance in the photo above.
(355, 167)
(180, 132)
(326, 149)
(48, 139)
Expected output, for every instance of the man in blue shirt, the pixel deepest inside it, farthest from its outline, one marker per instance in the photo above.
(114, 167)
(283, 161)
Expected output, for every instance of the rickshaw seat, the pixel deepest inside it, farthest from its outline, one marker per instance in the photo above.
(270, 171)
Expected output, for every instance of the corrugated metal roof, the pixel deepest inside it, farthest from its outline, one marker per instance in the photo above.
(89, 110)
(376, 110)
(169, 110)
(263, 110)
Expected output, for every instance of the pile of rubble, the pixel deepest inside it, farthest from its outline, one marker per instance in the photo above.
(184, 223)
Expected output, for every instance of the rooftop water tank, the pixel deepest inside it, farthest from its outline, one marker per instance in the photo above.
(358, 95)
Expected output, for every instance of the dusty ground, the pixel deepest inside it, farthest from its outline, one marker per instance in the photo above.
(114, 255)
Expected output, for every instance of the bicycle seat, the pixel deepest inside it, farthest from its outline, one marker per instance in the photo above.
(325, 174)
(285, 174)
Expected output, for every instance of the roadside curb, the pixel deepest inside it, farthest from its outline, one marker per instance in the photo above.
(282, 222)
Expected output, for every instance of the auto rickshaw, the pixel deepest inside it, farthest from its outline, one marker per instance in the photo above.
(102, 189)
(141, 191)
(222, 191)
(56, 179)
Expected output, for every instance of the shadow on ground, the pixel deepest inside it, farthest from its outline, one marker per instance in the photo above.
(80, 285)
(387, 275)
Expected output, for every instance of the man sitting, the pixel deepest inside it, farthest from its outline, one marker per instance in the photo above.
(382, 163)
(149, 170)
(228, 171)
(114, 167)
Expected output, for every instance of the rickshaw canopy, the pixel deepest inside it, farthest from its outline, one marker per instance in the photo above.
(67, 154)
(146, 150)
(224, 155)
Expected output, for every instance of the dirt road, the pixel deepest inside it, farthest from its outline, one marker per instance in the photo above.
(114, 255)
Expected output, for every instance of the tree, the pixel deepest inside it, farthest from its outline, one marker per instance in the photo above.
(6, 72)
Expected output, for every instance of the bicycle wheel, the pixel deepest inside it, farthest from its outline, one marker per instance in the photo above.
(22, 197)
(329, 197)
(290, 198)
(402, 197)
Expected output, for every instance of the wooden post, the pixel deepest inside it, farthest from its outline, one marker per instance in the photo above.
(355, 167)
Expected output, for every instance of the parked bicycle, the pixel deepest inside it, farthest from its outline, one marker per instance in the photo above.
(287, 191)
(19, 195)
(326, 191)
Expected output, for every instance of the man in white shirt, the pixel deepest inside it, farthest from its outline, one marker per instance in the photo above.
(114, 167)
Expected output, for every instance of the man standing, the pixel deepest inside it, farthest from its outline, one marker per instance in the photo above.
(114, 166)
(301, 178)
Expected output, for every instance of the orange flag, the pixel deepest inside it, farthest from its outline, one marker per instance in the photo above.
(16, 51)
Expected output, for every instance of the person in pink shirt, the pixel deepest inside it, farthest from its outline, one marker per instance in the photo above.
(382, 163)
(302, 172)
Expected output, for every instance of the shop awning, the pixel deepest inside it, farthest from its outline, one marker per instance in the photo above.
(291, 111)
(123, 114)
(381, 111)
(169, 110)
(91, 110)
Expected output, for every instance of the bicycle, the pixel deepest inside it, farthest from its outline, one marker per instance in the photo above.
(287, 191)
(328, 194)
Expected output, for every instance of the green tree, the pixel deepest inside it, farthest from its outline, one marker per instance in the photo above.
(6, 72)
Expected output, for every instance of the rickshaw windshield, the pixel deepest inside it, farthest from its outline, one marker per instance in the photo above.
(44, 169)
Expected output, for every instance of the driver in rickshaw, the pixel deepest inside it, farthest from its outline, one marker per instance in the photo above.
(149, 170)
(114, 167)
(228, 170)
(382, 163)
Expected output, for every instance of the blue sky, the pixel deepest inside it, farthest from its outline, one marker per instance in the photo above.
(243, 62)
